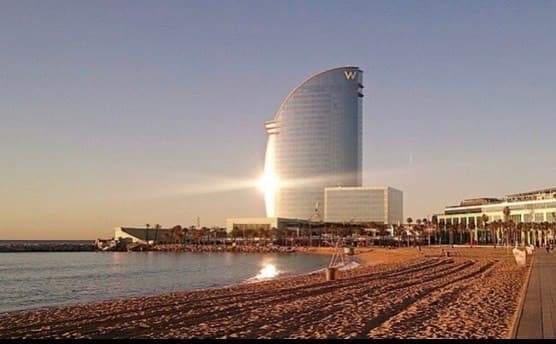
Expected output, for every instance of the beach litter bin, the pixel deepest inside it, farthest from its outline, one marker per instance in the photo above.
(330, 274)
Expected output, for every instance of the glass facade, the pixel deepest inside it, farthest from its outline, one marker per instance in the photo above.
(315, 141)
(363, 204)
(395, 206)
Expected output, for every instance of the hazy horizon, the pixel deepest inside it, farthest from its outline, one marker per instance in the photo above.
(133, 112)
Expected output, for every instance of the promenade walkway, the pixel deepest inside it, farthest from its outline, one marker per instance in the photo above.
(538, 316)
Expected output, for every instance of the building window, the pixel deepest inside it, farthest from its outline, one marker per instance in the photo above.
(515, 218)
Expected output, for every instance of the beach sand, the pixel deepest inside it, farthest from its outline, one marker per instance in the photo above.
(375, 255)
(398, 293)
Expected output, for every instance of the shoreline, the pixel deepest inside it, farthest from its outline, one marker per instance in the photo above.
(414, 294)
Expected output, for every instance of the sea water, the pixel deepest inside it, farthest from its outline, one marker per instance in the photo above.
(39, 279)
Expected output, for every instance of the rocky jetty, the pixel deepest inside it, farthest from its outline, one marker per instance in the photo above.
(47, 247)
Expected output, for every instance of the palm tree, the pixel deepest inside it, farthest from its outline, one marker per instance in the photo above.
(250, 233)
(398, 233)
(460, 227)
(544, 230)
(527, 231)
(165, 237)
(381, 233)
(471, 229)
(236, 232)
(199, 235)
(506, 213)
(205, 233)
(213, 235)
(484, 222)
(552, 228)
(434, 222)
(261, 234)
(445, 233)
(157, 228)
(176, 233)
(512, 231)
(534, 233)
(184, 233)
(273, 233)
(493, 231)
(147, 226)
(519, 230)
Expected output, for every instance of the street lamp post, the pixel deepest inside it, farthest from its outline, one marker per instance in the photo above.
(316, 216)
(310, 235)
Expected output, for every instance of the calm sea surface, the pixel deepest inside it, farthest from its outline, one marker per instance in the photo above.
(38, 279)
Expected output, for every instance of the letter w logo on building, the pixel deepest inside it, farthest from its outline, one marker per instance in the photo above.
(350, 74)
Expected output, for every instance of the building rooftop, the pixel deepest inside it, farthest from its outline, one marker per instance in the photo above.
(479, 201)
(548, 193)
(531, 195)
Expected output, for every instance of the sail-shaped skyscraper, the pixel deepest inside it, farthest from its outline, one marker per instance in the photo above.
(314, 141)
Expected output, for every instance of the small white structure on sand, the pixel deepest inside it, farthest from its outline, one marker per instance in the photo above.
(520, 256)
(530, 249)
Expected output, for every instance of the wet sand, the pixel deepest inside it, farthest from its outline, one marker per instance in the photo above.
(399, 293)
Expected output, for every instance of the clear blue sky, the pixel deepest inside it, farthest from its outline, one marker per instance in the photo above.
(132, 112)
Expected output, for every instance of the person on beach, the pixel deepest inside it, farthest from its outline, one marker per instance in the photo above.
(547, 248)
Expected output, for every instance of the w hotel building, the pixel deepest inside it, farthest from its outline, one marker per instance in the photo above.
(314, 141)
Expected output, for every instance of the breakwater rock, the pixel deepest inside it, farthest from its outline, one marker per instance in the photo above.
(46, 247)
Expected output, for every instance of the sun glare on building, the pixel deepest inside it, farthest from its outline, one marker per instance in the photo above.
(268, 183)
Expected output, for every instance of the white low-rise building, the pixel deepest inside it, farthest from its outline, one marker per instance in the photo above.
(534, 206)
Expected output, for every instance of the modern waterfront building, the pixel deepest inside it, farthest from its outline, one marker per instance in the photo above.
(314, 141)
(142, 235)
(382, 204)
(533, 206)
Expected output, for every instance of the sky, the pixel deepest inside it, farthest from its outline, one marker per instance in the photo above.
(123, 113)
